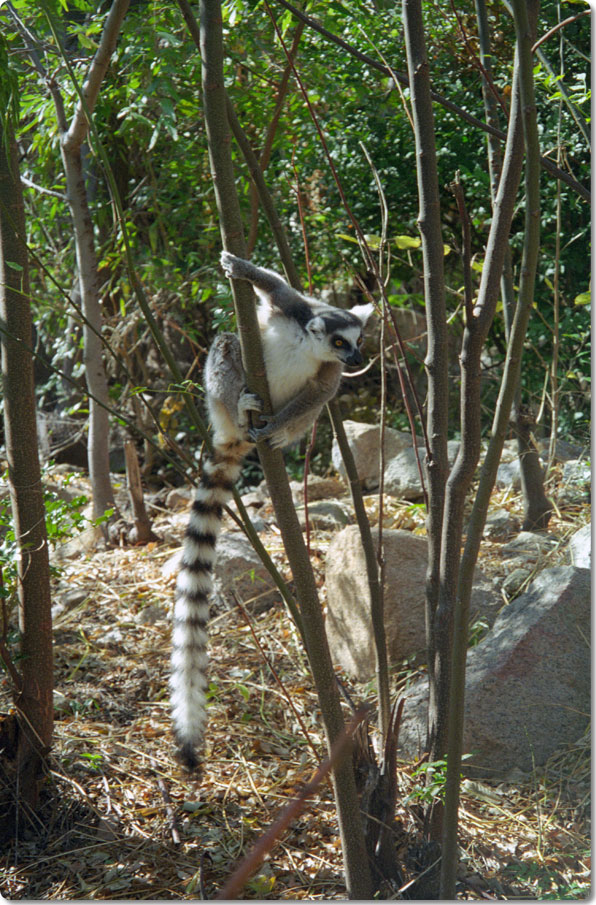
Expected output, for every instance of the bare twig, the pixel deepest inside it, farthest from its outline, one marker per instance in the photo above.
(266, 842)
(558, 27)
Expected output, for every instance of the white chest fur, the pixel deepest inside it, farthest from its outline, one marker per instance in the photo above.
(289, 360)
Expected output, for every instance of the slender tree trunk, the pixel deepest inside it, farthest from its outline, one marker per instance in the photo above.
(72, 138)
(522, 112)
(357, 872)
(98, 446)
(35, 683)
(537, 506)
(436, 359)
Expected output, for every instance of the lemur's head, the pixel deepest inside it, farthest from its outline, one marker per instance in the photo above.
(337, 334)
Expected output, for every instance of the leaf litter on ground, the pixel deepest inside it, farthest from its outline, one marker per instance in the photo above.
(120, 819)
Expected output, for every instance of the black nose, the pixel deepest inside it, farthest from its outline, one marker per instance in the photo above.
(355, 358)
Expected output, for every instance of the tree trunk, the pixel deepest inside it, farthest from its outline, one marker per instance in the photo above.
(357, 871)
(72, 137)
(34, 702)
(523, 97)
(436, 359)
(537, 506)
(98, 445)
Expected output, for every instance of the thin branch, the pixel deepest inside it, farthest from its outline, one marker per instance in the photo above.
(265, 155)
(357, 873)
(547, 164)
(256, 855)
(477, 62)
(366, 252)
(509, 384)
(42, 190)
(558, 26)
(99, 66)
(466, 251)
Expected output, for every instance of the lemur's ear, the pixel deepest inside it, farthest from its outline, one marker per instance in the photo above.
(316, 326)
(363, 312)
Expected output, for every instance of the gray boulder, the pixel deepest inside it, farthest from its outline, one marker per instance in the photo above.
(527, 682)
(402, 477)
(238, 569)
(364, 443)
(580, 548)
(349, 628)
(326, 515)
(577, 472)
(509, 475)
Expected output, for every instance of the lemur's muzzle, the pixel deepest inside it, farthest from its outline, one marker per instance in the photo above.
(354, 359)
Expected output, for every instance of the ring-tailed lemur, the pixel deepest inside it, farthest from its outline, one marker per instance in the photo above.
(306, 344)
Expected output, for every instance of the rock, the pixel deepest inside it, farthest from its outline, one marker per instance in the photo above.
(179, 498)
(509, 451)
(402, 477)
(576, 483)
(364, 443)
(509, 475)
(515, 580)
(112, 638)
(239, 569)
(500, 525)
(577, 473)
(67, 600)
(530, 546)
(318, 489)
(580, 548)
(150, 614)
(326, 515)
(349, 627)
(87, 542)
(563, 450)
(61, 704)
(527, 682)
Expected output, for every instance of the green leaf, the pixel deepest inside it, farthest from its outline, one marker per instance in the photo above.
(584, 298)
(403, 242)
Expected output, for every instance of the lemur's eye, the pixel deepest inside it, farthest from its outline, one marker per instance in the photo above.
(359, 341)
(338, 343)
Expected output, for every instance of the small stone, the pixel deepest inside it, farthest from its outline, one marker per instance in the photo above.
(515, 580)
(325, 515)
(500, 525)
(179, 498)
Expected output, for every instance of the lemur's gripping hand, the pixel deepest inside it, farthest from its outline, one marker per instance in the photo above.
(248, 402)
(275, 437)
(234, 267)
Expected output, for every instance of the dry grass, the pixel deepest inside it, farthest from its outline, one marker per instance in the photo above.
(121, 820)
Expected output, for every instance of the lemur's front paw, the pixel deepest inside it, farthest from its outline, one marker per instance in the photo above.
(231, 264)
(275, 437)
(249, 402)
(264, 431)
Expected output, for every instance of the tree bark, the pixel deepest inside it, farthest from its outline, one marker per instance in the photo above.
(98, 440)
(436, 359)
(72, 136)
(34, 695)
(537, 506)
(214, 99)
(523, 112)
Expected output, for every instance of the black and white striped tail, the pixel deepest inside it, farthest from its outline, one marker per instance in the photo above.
(188, 681)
